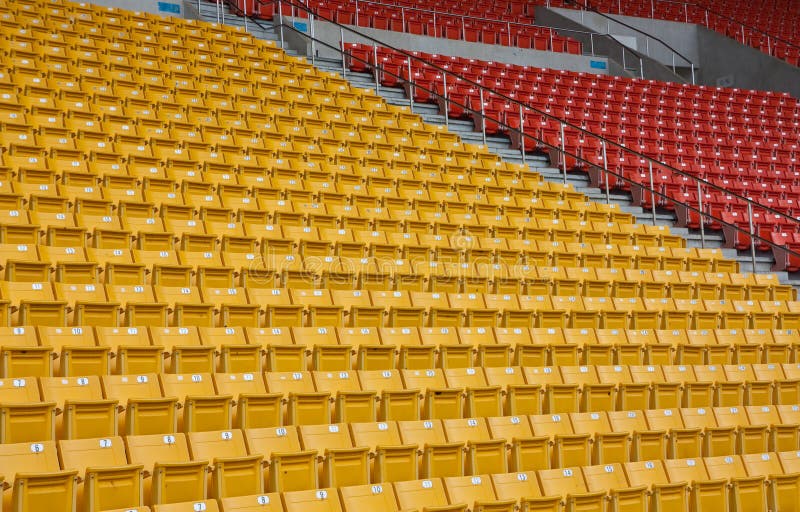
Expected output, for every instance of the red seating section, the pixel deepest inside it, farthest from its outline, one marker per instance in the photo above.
(503, 22)
(744, 141)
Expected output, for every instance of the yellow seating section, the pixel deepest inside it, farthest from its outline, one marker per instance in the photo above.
(234, 282)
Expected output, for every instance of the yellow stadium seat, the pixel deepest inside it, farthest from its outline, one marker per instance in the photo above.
(174, 477)
(106, 478)
(203, 409)
(37, 481)
(234, 472)
(342, 463)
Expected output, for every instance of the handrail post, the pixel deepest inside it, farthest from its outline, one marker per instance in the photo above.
(435, 31)
(410, 87)
(624, 66)
(591, 42)
(446, 101)
(245, 16)
(563, 154)
(311, 17)
(605, 173)
(375, 68)
(522, 133)
(216, 9)
(280, 24)
(686, 11)
(652, 8)
(652, 192)
(693, 82)
(673, 63)
(508, 26)
(769, 46)
(344, 59)
(702, 218)
(641, 68)
(356, 12)
(483, 117)
(707, 19)
(742, 34)
(463, 29)
(647, 46)
(403, 17)
(222, 11)
(752, 234)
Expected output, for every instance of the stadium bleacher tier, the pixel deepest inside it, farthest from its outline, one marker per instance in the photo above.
(234, 282)
(769, 25)
(744, 141)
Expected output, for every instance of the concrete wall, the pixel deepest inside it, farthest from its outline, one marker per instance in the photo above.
(619, 56)
(331, 34)
(725, 62)
(163, 7)
(680, 36)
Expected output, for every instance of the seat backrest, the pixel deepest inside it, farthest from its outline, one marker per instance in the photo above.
(499, 376)
(289, 382)
(469, 489)
(321, 437)
(19, 336)
(605, 476)
(419, 494)
(373, 434)
(731, 416)
(512, 486)
(397, 335)
(40, 457)
(216, 444)
(542, 375)
(59, 389)
(368, 497)
(663, 419)
(152, 448)
(646, 472)
(319, 500)
(551, 424)
(187, 384)
(698, 417)
(126, 387)
(462, 430)
(762, 464)
(590, 422)
(421, 432)
(380, 380)
(560, 482)
(269, 440)
(171, 337)
(424, 379)
(236, 384)
(268, 336)
(464, 377)
(122, 336)
(60, 337)
(627, 421)
(333, 381)
(310, 336)
(685, 470)
(509, 427)
(84, 453)
(19, 390)
(725, 466)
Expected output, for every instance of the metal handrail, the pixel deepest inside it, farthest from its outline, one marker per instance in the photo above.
(561, 150)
